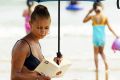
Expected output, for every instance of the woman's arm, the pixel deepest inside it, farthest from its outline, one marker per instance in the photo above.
(109, 27)
(19, 54)
(25, 13)
(87, 17)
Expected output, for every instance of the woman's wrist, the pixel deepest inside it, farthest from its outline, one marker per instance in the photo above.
(36, 75)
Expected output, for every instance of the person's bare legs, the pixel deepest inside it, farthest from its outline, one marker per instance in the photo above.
(97, 76)
(96, 51)
(103, 57)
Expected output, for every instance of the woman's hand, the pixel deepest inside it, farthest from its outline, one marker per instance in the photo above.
(58, 60)
(39, 76)
(43, 77)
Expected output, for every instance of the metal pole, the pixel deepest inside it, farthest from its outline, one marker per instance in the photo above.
(58, 25)
(59, 55)
(118, 4)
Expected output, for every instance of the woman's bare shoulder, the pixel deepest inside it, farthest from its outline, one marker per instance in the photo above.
(20, 47)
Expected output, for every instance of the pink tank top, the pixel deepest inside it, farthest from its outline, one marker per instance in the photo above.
(27, 25)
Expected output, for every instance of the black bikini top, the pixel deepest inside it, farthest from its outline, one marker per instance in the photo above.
(31, 62)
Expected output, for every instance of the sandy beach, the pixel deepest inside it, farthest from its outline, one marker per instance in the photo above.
(76, 40)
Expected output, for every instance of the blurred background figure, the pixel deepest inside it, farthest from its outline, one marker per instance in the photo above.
(73, 2)
(97, 75)
(101, 74)
(99, 21)
(26, 14)
(73, 5)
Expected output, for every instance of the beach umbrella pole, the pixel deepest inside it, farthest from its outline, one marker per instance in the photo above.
(118, 4)
(59, 55)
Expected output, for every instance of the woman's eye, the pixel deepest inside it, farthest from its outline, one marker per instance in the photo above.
(46, 28)
(39, 28)
(42, 28)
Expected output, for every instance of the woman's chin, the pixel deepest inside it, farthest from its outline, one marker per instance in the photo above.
(41, 37)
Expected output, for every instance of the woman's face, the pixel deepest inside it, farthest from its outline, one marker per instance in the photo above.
(40, 27)
(98, 9)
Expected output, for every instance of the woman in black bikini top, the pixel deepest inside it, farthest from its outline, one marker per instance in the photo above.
(26, 54)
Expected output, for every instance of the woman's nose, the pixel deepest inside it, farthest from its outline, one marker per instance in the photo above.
(43, 31)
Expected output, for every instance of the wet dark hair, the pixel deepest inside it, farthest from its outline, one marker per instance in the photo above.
(29, 3)
(40, 11)
(97, 4)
